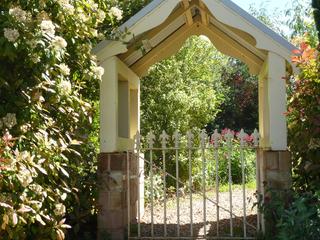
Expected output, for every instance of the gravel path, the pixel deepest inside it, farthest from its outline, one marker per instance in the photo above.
(198, 219)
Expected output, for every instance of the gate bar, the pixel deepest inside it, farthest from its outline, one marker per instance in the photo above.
(216, 156)
(244, 192)
(190, 193)
(178, 194)
(210, 200)
(151, 176)
(128, 194)
(164, 194)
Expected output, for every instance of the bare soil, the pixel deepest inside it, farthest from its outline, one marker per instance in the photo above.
(198, 219)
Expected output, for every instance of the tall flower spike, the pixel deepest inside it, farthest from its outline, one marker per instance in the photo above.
(190, 138)
(229, 137)
(216, 138)
(164, 137)
(242, 137)
(256, 137)
(203, 138)
(176, 137)
(151, 139)
(137, 139)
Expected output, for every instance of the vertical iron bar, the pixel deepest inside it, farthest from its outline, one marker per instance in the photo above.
(177, 190)
(258, 187)
(151, 181)
(190, 193)
(139, 182)
(230, 188)
(128, 194)
(243, 165)
(204, 191)
(216, 156)
(164, 193)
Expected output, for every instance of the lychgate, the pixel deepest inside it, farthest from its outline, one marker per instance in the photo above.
(157, 32)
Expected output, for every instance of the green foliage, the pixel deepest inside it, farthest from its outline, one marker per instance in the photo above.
(239, 110)
(295, 216)
(316, 14)
(304, 119)
(48, 85)
(182, 92)
(301, 23)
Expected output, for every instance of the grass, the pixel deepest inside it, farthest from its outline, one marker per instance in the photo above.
(225, 187)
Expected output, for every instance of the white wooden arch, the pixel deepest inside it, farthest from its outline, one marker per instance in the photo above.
(158, 31)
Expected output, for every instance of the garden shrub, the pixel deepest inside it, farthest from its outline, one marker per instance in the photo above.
(49, 83)
(292, 216)
(304, 119)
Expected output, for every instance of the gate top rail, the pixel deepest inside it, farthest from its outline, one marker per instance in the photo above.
(202, 141)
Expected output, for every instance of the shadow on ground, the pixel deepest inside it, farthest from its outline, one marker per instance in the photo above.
(198, 229)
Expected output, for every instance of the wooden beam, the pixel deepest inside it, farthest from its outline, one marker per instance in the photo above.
(134, 47)
(185, 3)
(238, 37)
(230, 47)
(167, 48)
(189, 18)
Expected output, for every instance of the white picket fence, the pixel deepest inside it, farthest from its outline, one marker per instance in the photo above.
(165, 145)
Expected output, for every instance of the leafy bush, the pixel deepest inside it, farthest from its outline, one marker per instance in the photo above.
(48, 85)
(304, 119)
(295, 216)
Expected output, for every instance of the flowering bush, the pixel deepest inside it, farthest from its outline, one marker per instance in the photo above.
(48, 84)
(304, 118)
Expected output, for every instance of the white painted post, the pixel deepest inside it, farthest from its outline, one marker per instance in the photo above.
(124, 109)
(272, 103)
(109, 106)
(277, 101)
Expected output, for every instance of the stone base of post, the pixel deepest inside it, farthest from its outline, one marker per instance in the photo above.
(113, 194)
(274, 173)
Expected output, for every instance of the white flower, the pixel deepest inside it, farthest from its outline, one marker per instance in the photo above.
(47, 27)
(25, 178)
(98, 72)
(59, 43)
(11, 34)
(65, 87)
(83, 17)
(94, 32)
(9, 120)
(101, 15)
(116, 12)
(63, 2)
(32, 43)
(65, 70)
(68, 8)
(60, 209)
(19, 14)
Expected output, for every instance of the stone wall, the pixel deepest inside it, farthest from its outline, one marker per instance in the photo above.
(113, 194)
(273, 172)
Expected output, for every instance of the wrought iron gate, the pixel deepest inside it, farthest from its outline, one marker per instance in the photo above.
(212, 151)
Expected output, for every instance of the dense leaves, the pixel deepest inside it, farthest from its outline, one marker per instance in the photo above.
(304, 119)
(182, 92)
(48, 84)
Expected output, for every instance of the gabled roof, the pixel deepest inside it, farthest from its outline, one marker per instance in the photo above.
(160, 28)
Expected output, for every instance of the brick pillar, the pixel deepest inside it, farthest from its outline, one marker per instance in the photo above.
(274, 172)
(113, 193)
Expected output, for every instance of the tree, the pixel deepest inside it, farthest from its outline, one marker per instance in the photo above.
(316, 14)
(183, 91)
(240, 108)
